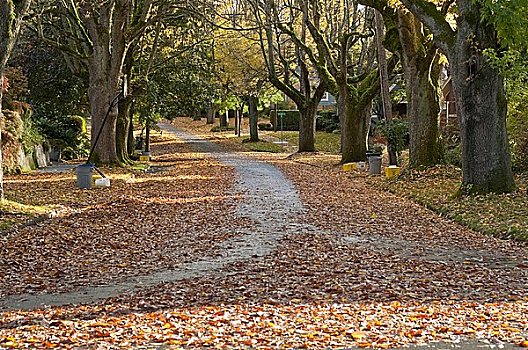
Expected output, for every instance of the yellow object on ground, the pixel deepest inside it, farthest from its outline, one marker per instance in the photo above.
(144, 158)
(392, 171)
(349, 166)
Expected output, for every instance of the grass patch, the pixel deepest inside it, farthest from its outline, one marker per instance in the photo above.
(324, 142)
(504, 215)
(8, 206)
(137, 166)
(13, 213)
(222, 128)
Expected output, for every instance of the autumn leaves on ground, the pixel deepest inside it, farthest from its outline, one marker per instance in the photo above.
(367, 269)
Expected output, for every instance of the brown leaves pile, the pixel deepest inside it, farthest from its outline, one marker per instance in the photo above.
(143, 222)
(374, 271)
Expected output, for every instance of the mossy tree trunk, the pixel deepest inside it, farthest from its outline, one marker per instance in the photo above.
(420, 61)
(481, 106)
(354, 89)
(354, 103)
(479, 92)
(253, 119)
(354, 127)
(306, 127)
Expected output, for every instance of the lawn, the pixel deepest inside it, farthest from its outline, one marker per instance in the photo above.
(324, 142)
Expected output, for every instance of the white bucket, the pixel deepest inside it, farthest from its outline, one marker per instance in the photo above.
(104, 182)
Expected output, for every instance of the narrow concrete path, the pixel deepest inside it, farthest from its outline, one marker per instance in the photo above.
(270, 201)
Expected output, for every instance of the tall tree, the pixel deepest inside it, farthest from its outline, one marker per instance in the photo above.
(419, 58)
(98, 34)
(11, 17)
(478, 89)
(287, 64)
(384, 80)
(343, 35)
(420, 62)
(239, 65)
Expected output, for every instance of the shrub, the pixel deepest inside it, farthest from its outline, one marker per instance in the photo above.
(222, 128)
(518, 131)
(290, 120)
(67, 133)
(265, 126)
(327, 121)
(396, 132)
(453, 155)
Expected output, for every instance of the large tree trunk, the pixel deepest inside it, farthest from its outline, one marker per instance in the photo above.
(479, 93)
(131, 142)
(253, 119)
(122, 129)
(481, 106)
(384, 82)
(104, 68)
(224, 120)
(1, 118)
(306, 127)
(124, 107)
(421, 75)
(103, 110)
(211, 112)
(424, 146)
(354, 130)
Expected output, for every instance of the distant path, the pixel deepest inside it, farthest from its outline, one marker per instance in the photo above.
(270, 201)
(58, 167)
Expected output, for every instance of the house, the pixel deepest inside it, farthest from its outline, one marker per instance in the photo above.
(448, 115)
(328, 102)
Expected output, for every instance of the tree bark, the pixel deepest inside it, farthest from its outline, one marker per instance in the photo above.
(122, 129)
(306, 127)
(481, 106)
(211, 112)
(104, 68)
(305, 96)
(421, 75)
(479, 92)
(354, 129)
(253, 119)
(224, 119)
(354, 105)
(103, 109)
(147, 136)
(1, 119)
(131, 141)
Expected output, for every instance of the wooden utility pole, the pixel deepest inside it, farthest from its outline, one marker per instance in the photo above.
(384, 80)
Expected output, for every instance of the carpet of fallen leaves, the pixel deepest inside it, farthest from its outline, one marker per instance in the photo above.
(318, 290)
(502, 215)
(173, 213)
